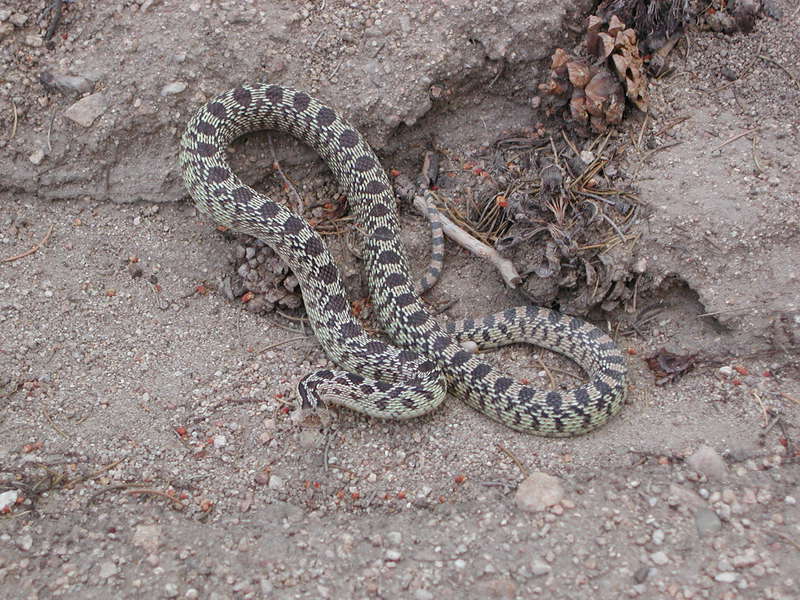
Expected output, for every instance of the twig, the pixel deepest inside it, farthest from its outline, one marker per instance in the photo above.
(763, 408)
(50, 131)
(177, 502)
(608, 220)
(53, 425)
(788, 397)
(277, 166)
(281, 343)
(728, 310)
(780, 66)
(32, 250)
(650, 153)
(641, 131)
(755, 157)
(335, 70)
(55, 9)
(14, 125)
(549, 374)
(785, 538)
(670, 125)
(517, 461)
(736, 137)
(476, 247)
(100, 471)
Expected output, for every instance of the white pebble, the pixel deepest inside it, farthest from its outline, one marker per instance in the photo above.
(659, 558)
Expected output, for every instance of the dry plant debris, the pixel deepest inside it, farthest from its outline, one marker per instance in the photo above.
(669, 367)
(595, 87)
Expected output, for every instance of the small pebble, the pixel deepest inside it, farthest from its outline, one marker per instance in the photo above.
(707, 461)
(538, 492)
(393, 555)
(707, 522)
(176, 87)
(37, 156)
(659, 558)
(8, 499)
(85, 111)
(539, 567)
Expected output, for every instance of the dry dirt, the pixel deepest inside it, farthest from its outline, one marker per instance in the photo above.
(147, 424)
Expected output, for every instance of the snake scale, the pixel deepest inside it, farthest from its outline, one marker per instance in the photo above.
(411, 377)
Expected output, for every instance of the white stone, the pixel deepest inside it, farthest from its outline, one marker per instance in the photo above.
(108, 569)
(8, 499)
(659, 558)
(539, 567)
(538, 492)
(707, 461)
(176, 87)
(37, 156)
(86, 110)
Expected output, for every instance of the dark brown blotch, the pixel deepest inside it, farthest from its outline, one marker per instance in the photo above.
(218, 174)
(243, 194)
(327, 273)
(395, 280)
(406, 299)
(314, 246)
(336, 303)
(375, 187)
(269, 209)
(388, 257)
(301, 101)
(217, 109)
(349, 330)
(325, 116)
(348, 138)
(376, 347)
(293, 225)
(378, 210)
(206, 128)
(363, 163)
(274, 94)
(242, 96)
(206, 150)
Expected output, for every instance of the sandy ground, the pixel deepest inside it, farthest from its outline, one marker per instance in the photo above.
(147, 423)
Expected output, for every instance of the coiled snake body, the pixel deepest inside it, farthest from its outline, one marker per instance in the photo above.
(380, 379)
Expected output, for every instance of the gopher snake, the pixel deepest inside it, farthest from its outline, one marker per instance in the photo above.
(377, 378)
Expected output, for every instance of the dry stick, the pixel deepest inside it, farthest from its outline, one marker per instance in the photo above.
(55, 20)
(780, 66)
(277, 166)
(32, 250)
(14, 126)
(650, 153)
(763, 408)
(179, 504)
(736, 137)
(476, 247)
(549, 374)
(517, 461)
(785, 538)
(50, 131)
(53, 425)
(788, 397)
(670, 125)
(608, 220)
(100, 471)
(755, 157)
(641, 131)
(281, 343)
